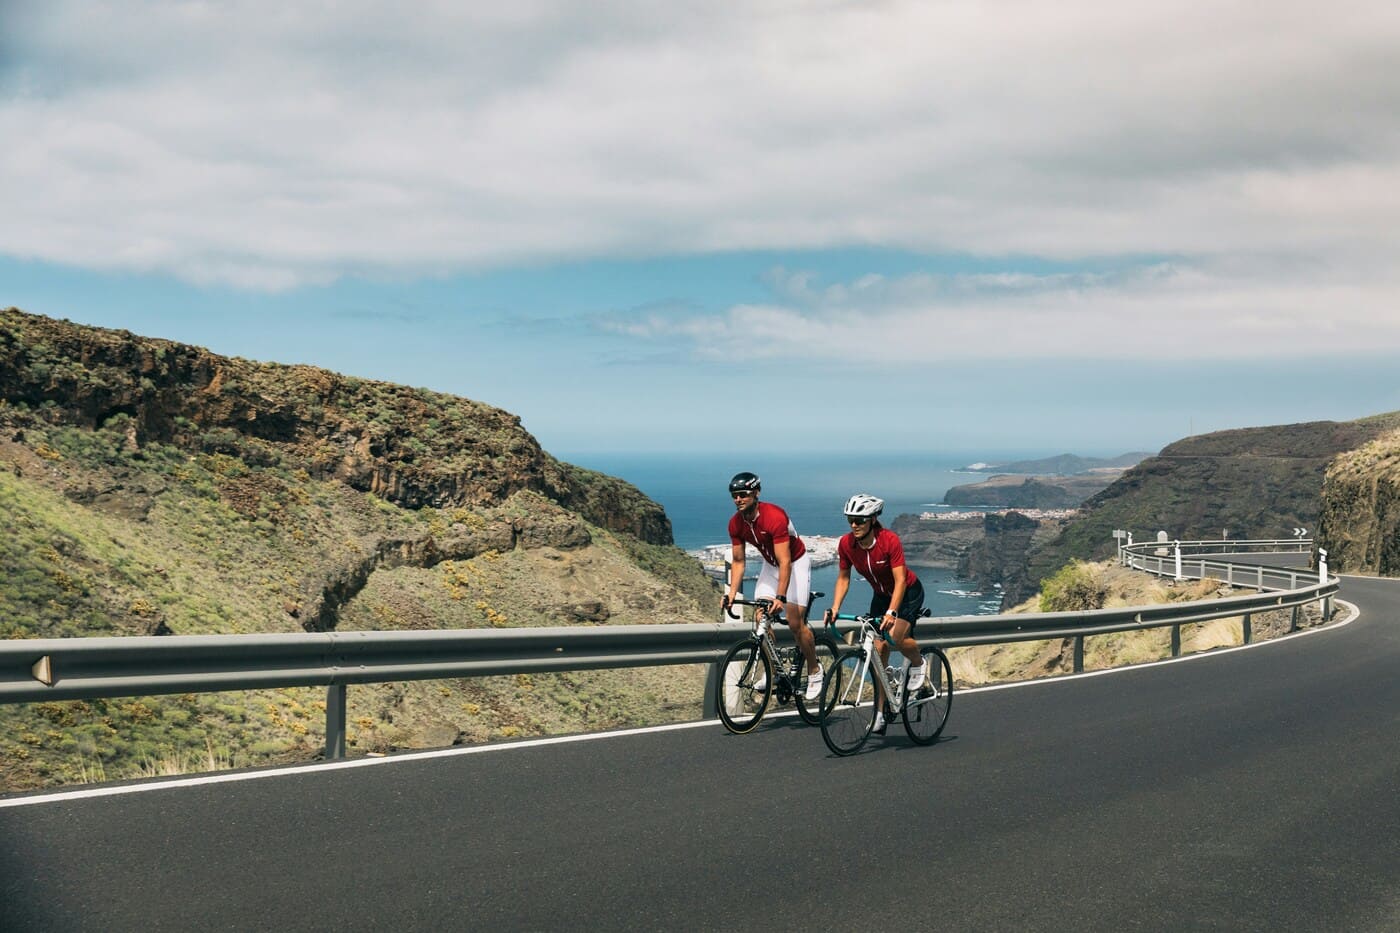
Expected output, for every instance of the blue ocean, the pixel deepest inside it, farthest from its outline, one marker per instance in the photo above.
(812, 489)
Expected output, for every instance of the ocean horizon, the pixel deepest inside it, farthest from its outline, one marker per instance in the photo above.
(812, 489)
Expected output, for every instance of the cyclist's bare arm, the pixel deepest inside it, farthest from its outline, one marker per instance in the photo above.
(843, 583)
(783, 551)
(736, 569)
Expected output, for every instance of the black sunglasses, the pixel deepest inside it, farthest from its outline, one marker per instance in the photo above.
(857, 520)
(742, 495)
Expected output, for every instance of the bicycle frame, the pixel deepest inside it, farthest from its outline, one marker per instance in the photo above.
(894, 691)
(855, 702)
(763, 634)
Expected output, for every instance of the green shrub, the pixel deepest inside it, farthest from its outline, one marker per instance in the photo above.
(1075, 587)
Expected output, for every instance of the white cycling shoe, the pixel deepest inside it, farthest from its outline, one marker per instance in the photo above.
(814, 687)
(917, 677)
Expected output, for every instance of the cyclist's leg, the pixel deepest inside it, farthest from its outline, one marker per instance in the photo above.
(799, 592)
(910, 609)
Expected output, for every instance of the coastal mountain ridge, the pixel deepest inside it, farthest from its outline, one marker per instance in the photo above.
(149, 487)
(1061, 465)
(1242, 483)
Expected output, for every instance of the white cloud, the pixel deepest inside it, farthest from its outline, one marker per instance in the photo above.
(269, 145)
(1162, 311)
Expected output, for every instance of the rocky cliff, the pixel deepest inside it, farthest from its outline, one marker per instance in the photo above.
(150, 487)
(936, 542)
(1360, 521)
(1000, 556)
(1246, 483)
(411, 447)
(1031, 492)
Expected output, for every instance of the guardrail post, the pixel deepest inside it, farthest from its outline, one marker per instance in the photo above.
(1079, 654)
(710, 708)
(335, 721)
(1176, 641)
(1293, 621)
(1229, 574)
(1178, 561)
(1260, 585)
(1246, 629)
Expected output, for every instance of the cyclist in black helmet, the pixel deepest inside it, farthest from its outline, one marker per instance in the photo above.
(786, 575)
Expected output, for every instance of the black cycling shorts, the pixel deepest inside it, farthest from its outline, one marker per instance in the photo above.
(910, 607)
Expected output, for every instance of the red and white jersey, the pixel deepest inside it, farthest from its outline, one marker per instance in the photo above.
(770, 526)
(878, 562)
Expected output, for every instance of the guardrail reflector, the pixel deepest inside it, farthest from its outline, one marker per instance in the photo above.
(43, 671)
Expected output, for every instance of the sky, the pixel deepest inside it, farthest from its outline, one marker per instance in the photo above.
(660, 227)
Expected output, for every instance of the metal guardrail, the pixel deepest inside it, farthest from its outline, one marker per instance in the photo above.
(33, 670)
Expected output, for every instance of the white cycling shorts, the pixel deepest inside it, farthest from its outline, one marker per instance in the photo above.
(799, 581)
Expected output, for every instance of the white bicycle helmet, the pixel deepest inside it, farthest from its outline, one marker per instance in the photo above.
(863, 506)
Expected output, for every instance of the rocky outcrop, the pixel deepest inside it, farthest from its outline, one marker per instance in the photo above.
(1000, 558)
(411, 447)
(937, 542)
(1030, 492)
(1246, 483)
(540, 527)
(1360, 521)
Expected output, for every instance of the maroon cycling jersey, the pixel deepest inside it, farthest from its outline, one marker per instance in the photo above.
(876, 564)
(770, 526)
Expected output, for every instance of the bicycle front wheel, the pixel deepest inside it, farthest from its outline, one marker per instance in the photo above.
(849, 701)
(826, 659)
(926, 714)
(740, 705)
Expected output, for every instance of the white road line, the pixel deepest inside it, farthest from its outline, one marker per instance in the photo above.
(321, 767)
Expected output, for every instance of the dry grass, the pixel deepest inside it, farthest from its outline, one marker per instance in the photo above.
(986, 664)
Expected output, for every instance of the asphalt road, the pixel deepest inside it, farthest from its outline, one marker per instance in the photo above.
(1244, 790)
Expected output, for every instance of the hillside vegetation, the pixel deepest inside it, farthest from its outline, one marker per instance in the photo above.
(1086, 585)
(148, 487)
(1252, 483)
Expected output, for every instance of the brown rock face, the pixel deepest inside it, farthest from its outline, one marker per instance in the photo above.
(1360, 521)
(411, 447)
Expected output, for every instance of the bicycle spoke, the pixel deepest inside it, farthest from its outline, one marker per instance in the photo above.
(826, 659)
(926, 714)
(850, 717)
(740, 705)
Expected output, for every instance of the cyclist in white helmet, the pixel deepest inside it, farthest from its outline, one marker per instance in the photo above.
(786, 575)
(878, 554)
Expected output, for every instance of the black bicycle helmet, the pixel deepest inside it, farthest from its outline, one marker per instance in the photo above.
(744, 482)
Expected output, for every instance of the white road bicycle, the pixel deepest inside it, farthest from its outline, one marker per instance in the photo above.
(851, 698)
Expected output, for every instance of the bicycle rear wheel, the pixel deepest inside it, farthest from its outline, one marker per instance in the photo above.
(850, 702)
(826, 658)
(926, 714)
(740, 706)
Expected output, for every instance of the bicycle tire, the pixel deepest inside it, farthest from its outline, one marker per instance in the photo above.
(926, 714)
(826, 660)
(740, 706)
(850, 707)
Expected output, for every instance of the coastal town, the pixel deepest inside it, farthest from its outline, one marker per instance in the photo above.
(715, 557)
(967, 515)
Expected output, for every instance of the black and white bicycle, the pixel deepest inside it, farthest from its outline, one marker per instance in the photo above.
(756, 671)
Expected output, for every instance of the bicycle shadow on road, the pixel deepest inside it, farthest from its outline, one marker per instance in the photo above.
(894, 743)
